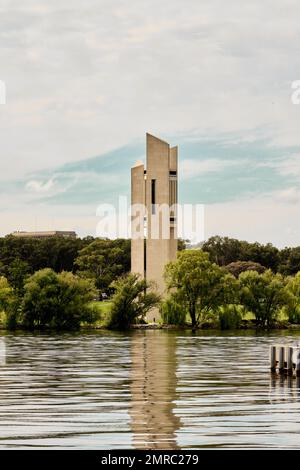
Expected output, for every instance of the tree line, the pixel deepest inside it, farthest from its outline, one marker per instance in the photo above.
(207, 293)
(66, 254)
(51, 281)
(99, 259)
(204, 294)
(225, 250)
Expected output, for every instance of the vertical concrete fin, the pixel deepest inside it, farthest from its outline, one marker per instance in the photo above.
(137, 218)
(173, 158)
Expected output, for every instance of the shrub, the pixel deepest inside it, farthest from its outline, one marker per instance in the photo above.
(293, 314)
(132, 300)
(59, 301)
(173, 312)
(230, 316)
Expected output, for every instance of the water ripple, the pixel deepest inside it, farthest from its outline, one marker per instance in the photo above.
(146, 389)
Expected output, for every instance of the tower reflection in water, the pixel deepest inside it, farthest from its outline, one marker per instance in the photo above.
(153, 390)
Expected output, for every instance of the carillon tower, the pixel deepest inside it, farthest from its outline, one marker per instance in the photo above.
(153, 202)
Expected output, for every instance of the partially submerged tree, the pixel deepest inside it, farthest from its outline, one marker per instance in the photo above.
(133, 299)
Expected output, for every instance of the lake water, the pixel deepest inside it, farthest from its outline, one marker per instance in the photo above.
(146, 389)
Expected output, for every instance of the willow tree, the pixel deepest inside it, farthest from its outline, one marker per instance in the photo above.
(201, 286)
(263, 294)
(58, 301)
(133, 299)
(292, 307)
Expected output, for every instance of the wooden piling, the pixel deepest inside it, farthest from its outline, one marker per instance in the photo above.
(285, 359)
(281, 358)
(297, 361)
(273, 358)
(289, 360)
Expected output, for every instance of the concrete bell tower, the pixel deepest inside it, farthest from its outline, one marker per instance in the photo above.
(153, 202)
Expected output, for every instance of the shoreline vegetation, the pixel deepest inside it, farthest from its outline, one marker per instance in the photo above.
(248, 325)
(224, 284)
(102, 323)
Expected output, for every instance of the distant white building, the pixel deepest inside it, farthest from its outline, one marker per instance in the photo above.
(42, 234)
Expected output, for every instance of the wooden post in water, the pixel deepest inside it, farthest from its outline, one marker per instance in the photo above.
(273, 358)
(297, 361)
(285, 359)
(289, 360)
(281, 359)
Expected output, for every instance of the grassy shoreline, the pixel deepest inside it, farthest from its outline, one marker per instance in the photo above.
(248, 323)
(145, 327)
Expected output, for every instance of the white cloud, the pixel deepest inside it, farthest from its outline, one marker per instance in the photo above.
(94, 79)
(289, 166)
(82, 81)
(264, 219)
(194, 168)
(289, 195)
(39, 186)
(62, 182)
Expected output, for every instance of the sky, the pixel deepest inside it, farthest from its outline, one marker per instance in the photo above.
(85, 80)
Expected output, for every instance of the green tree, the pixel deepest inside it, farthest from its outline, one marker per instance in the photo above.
(6, 294)
(263, 295)
(289, 261)
(9, 303)
(225, 250)
(292, 307)
(182, 244)
(18, 271)
(266, 255)
(104, 260)
(238, 267)
(59, 301)
(201, 285)
(133, 299)
(57, 253)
